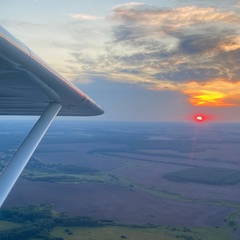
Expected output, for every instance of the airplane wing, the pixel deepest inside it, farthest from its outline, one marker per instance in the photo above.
(29, 86)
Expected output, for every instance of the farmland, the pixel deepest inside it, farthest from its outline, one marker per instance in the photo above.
(132, 174)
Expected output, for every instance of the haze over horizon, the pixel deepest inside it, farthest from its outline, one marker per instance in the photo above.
(142, 61)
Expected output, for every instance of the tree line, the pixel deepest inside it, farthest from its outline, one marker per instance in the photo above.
(37, 221)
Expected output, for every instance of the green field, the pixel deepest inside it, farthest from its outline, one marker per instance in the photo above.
(131, 233)
(43, 222)
(6, 225)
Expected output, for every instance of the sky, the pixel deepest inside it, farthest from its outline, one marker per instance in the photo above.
(156, 60)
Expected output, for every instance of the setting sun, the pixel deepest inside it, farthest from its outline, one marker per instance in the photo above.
(199, 118)
(203, 117)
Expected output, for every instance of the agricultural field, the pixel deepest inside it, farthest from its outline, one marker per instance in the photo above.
(157, 176)
(43, 222)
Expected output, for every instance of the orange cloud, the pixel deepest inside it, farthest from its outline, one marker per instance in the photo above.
(176, 17)
(209, 98)
(231, 45)
(217, 93)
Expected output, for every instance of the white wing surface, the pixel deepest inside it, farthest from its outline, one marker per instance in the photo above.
(28, 86)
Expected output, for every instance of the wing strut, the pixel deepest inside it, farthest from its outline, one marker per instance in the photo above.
(13, 169)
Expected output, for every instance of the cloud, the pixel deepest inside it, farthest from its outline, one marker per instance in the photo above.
(85, 17)
(190, 49)
(216, 93)
(128, 5)
(173, 47)
(229, 4)
(172, 19)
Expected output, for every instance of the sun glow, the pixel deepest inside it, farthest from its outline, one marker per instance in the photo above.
(217, 93)
(205, 97)
(203, 118)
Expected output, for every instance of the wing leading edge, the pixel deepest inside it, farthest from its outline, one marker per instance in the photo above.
(28, 86)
